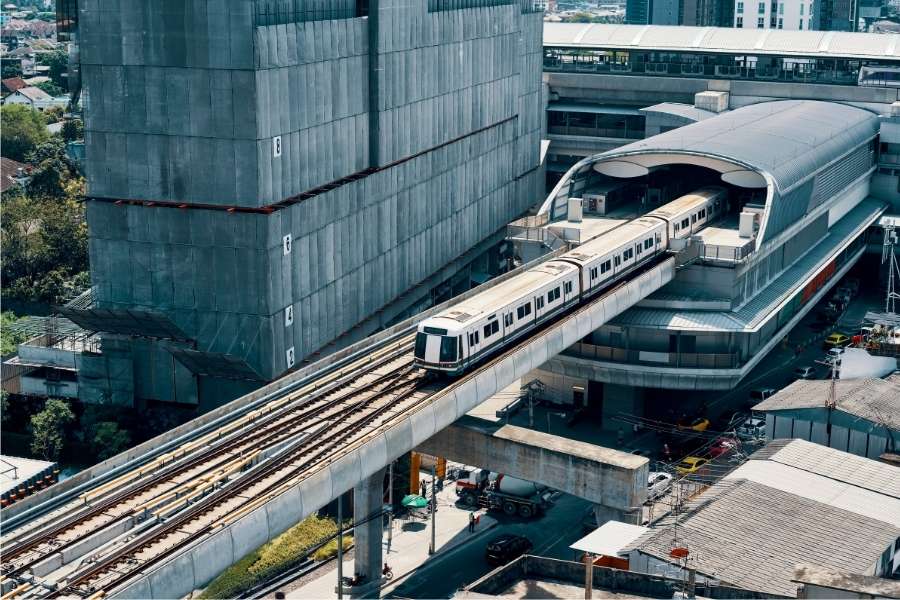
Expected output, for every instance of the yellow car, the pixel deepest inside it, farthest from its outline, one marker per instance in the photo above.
(836, 340)
(698, 424)
(690, 464)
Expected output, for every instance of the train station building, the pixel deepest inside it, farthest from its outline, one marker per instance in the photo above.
(798, 175)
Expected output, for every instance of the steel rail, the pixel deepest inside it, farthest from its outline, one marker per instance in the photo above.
(227, 493)
(275, 428)
(360, 355)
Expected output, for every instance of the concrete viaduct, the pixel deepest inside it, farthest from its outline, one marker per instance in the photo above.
(614, 481)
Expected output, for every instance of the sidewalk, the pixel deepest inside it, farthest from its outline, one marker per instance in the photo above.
(409, 546)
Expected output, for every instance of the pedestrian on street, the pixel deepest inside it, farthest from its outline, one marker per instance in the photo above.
(424, 488)
(440, 485)
(471, 522)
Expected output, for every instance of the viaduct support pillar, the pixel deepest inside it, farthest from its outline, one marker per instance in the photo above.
(368, 503)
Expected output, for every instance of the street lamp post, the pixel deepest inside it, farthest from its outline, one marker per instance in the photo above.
(433, 508)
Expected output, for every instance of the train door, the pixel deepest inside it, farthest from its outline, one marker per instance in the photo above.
(473, 338)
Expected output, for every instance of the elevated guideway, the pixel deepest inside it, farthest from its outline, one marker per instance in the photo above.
(373, 410)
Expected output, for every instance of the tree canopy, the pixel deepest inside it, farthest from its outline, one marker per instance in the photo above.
(23, 129)
(49, 429)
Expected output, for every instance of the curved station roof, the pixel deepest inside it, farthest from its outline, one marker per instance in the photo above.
(780, 146)
(723, 40)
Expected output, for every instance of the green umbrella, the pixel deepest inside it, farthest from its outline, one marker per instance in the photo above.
(414, 501)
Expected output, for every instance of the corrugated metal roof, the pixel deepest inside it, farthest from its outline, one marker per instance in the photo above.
(723, 40)
(753, 314)
(788, 139)
(876, 400)
(802, 503)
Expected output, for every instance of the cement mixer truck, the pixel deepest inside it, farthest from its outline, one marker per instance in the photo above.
(496, 491)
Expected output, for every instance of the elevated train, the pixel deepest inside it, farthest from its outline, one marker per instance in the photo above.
(457, 338)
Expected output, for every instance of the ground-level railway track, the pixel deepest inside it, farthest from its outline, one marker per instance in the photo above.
(230, 502)
(203, 463)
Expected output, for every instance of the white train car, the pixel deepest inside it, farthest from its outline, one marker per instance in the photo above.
(602, 259)
(462, 335)
(690, 213)
(452, 340)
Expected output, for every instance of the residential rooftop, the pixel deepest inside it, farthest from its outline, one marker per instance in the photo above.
(793, 502)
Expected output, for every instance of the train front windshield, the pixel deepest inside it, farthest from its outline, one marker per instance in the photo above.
(448, 349)
(431, 348)
(421, 342)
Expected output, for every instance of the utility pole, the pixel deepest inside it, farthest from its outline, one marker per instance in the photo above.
(433, 508)
(340, 549)
(889, 256)
(588, 575)
(391, 504)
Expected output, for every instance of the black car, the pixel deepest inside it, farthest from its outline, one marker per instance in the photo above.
(505, 548)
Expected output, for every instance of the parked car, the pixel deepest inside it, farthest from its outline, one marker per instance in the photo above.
(835, 353)
(658, 484)
(690, 465)
(723, 445)
(760, 394)
(804, 372)
(698, 424)
(836, 340)
(753, 428)
(505, 548)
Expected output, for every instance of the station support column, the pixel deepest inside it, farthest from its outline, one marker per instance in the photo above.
(368, 506)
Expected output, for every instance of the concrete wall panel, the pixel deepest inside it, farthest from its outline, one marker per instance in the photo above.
(346, 472)
(486, 383)
(316, 490)
(169, 584)
(139, 590)
(247, 534)
(422, 423)
(213, 557)
(284, 511)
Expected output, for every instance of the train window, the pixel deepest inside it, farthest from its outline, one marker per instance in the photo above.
(523, 311)
(568, 287)
(527, 309)
(556, 293)
(594, 273)
(617, 260)
(693, 218)
(539, 302)
(421, 340)
(685, 223)
(677, 227)
(648, 243)
(627, 254)
(702, 213)
(487, 331)
(507, 319)
(605, 267)
(638, 248)
(448, 349)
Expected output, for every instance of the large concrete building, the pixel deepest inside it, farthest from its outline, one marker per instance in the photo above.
(264, 176)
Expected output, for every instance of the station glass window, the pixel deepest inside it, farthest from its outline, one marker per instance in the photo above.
(740, 7)
(739, 22)
(761, 9)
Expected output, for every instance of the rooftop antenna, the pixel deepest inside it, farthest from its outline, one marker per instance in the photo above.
(888, 255)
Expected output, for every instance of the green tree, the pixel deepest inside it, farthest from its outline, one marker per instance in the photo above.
(58, 61)
(72, 130)
(48, 429)
(11, 69)
(109, 440)
(54, 114)
(51, 88)
(9, 340)
(52, 169)
(23, 130)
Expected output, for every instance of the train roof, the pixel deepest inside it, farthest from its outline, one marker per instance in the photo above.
(494, 298)
(612, 239)
(683, 203)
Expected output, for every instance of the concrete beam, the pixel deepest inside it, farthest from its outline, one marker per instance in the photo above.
(616, 480)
